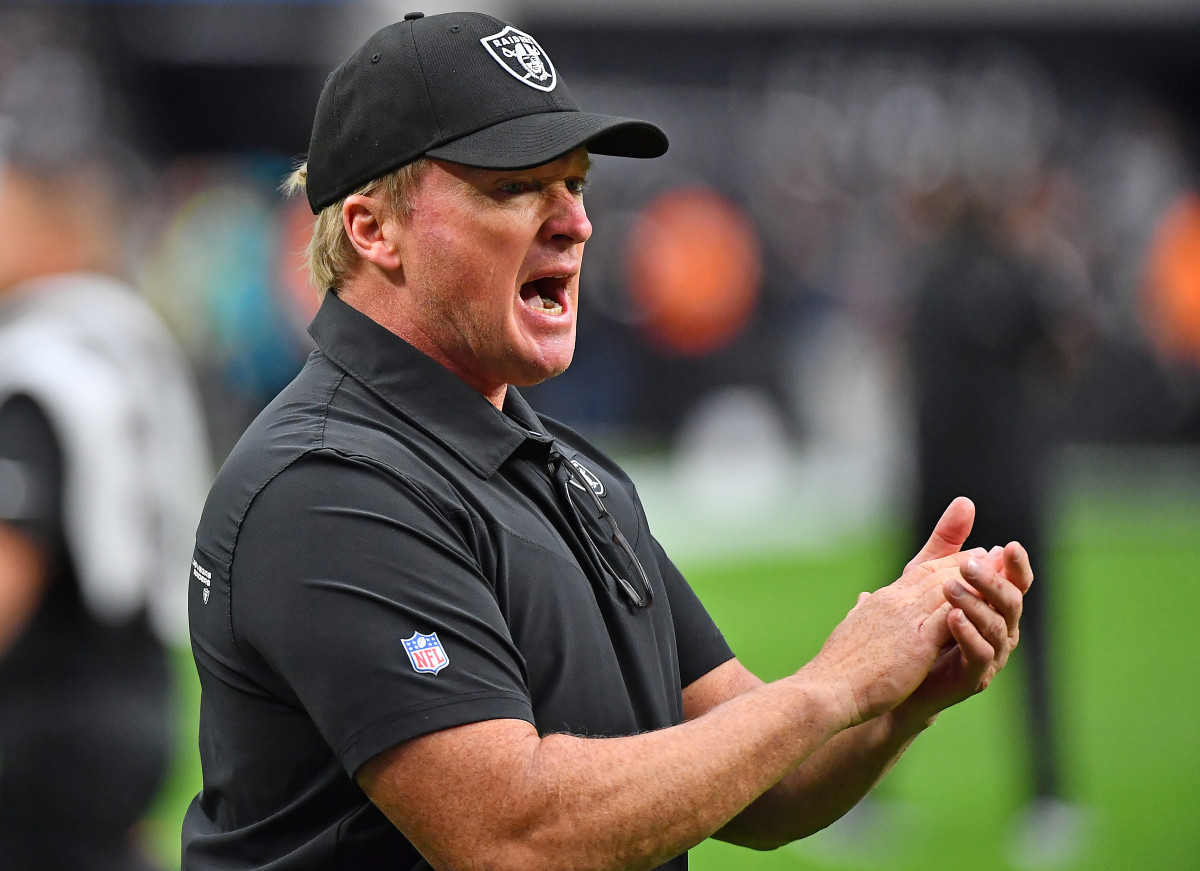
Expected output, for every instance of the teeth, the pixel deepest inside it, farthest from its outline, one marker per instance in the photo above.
(537, 300)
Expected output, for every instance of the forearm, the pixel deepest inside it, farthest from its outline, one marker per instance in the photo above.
(618, 803)
(508, 798)
(836, 776)
(663, 793)
(825, 786)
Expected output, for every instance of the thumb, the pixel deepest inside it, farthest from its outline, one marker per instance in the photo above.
(949, 533)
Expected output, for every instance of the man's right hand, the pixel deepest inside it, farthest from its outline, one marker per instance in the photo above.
(892, 639)
(887, 644)
(889, 641)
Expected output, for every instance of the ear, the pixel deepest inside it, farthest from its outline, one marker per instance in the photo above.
(370, 232)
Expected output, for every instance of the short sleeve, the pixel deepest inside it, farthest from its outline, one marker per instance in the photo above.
(701, 645)
(31, 472)
(338, 564)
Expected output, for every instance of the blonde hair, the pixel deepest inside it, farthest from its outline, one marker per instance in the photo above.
(330, 253)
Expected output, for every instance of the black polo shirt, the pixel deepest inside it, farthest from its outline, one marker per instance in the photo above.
(383, 555)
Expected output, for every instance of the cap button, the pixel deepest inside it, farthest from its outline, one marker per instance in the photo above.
(413, 16)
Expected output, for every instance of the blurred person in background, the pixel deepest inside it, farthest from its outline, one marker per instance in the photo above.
(103, 465)
(999, 318)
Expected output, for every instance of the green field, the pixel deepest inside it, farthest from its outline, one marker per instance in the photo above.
(1126, 594)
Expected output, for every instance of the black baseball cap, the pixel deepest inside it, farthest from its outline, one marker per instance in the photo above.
(462, 87)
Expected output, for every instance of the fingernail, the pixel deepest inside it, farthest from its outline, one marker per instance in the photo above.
(957, 590)
(972, 567)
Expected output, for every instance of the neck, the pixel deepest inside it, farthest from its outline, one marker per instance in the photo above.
(376, 301)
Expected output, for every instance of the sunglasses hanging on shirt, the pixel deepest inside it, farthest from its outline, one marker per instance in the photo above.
(571, 485)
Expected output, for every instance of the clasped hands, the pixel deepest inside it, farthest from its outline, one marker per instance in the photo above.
(938, 634)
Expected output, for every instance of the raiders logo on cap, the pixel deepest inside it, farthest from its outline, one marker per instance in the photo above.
(519, 53)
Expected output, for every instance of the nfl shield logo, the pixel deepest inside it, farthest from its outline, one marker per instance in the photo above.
(522, 57)
(426, 653)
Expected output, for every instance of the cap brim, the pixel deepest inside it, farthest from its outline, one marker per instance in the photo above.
(531, 140)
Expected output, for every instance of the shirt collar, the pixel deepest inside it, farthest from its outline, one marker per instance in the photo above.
(423, 391)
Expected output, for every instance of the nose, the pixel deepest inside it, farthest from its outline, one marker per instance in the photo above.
(567, 223)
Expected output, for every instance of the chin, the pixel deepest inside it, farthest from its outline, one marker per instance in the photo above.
(542, 358)
(533, 376)
(537, 371)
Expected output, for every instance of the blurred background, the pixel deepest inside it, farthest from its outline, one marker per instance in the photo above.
(898, 249)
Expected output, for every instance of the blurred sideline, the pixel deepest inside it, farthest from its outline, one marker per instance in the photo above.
(755, 504)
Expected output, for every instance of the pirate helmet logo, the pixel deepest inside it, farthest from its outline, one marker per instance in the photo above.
(519, 54)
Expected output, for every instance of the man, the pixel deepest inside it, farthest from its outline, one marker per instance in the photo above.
(433, 628)
(103, 468)
(1020, 356)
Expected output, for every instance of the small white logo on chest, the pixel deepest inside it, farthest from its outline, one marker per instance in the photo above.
(588, 475)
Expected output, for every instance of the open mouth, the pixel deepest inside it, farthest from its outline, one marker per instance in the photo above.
(547, 295)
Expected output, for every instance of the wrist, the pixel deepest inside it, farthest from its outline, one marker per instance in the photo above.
(832, 698)
(909, 720)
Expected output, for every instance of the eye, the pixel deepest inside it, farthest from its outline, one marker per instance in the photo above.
(513, 187)
(577, 185)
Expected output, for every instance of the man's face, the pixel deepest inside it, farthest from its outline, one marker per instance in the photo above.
(52, 223)
(533, 63)
(491, 264)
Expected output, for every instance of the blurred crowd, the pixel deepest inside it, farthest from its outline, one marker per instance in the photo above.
(851, 164)
(779, 245)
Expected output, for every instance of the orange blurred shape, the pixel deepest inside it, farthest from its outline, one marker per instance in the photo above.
(300, 297)
(695, 268)
(1171, 300)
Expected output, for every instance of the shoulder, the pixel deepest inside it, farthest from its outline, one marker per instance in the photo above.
(325, 440)
(88, 341)
(54, 373)
(77, 307)
(289, 427)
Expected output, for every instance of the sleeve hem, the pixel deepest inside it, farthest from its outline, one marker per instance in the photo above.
(432, 717)
(718, 652)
